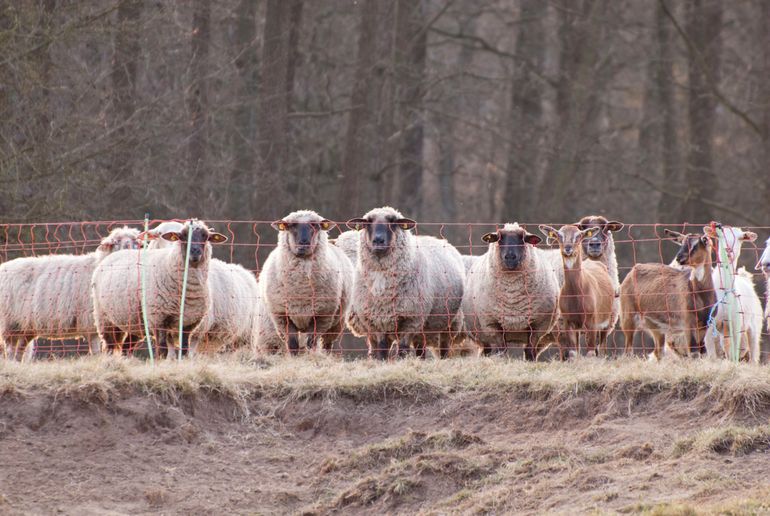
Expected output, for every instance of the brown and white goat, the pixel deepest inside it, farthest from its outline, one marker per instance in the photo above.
(586, 300)
(670, 304)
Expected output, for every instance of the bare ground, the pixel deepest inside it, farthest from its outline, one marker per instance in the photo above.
(318, 437)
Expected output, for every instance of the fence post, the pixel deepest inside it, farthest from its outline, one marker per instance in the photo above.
(184, 288)
(727, 278)
(144, 291)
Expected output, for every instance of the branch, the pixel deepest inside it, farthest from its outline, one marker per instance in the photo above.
(701, 62)
(708, 202)
(479, 43)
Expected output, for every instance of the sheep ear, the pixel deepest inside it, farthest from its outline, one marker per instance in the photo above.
(356, 224)
(613, 226)
(107, 244)
(326, 225)
(491, 238)
(532, 239)
(749, 236)
(171, 236)
(147, 235)
(406, 224)
(279, 225)
(678, 237)
(217, 238)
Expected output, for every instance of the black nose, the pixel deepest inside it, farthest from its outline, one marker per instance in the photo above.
(594, 245)
(378, 240)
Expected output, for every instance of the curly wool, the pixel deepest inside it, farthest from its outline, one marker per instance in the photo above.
(312, 292)
(499, 301)
(50, 296)
(415, 288)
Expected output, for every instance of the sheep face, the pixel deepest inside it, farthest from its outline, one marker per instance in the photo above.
(200, 237)
(119, 239)
(570, 239)
(694, 250)
(511, 243)
(382, 228)
(764, 261)
(302, 233)
(595, 245)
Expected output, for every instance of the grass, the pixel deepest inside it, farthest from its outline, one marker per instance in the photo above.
(735, 387)
(732, 440)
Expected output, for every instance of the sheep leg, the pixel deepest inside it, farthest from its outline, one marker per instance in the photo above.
(402, 347)
(112, 337)
(184, 341)
(161, 340)
(420, 344)
(379, 349)
(530, 349)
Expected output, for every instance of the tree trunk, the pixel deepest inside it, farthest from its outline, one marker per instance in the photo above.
(198, 105)
(666, 111)
(125, 60)
(525, 112)
(242, 185)
(367, 156)
(277, 184)
(410, 53)
(704, 27)
(577, 104)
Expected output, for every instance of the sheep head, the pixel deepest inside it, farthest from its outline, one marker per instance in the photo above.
(302, 231)
(595, 245)
(384, 226)
(119, 239)
(511, 243)
(199, 236)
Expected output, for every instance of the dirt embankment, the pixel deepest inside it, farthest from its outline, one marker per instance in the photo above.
(391, 451)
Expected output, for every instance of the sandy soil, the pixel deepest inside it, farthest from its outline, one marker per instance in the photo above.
(465, 452)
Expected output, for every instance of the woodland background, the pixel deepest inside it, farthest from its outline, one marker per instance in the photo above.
(451, 110)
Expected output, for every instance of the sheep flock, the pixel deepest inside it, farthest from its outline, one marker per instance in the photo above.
(403, 292)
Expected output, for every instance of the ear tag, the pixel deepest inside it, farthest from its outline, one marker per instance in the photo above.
(282, 226)
(405, 226)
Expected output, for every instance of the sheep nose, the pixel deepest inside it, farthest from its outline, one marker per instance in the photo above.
(378, 240)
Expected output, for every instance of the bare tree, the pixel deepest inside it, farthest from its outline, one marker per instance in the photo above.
(704, 28)
(282, 19)
(197, 101)
(526, 109)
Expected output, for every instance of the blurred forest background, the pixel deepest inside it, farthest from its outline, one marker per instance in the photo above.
(451, 110)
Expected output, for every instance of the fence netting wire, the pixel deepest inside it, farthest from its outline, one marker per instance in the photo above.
(52, 306)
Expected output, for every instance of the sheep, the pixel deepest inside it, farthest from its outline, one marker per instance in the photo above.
(117, 290)
(348, 242)
(587, 297)
(468, 261)
(764, 266)
(305, 283)
(407, 289)
(49, 296)
(746, 296)
(512, 293)
(670, 304)
(231, 322)
(266, 339)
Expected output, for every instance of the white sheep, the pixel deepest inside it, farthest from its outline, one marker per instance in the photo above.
(305, 282)
(231, 322)
(348, 242)
(749, 305)
(50, 296)
(117, 289)
(407, 289)
(764, 266)
(512, 292)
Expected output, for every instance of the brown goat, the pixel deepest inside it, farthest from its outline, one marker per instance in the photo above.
(587, 297)
(670, 304)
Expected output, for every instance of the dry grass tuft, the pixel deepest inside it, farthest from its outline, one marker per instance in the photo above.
(733, 440)
(98, 379)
